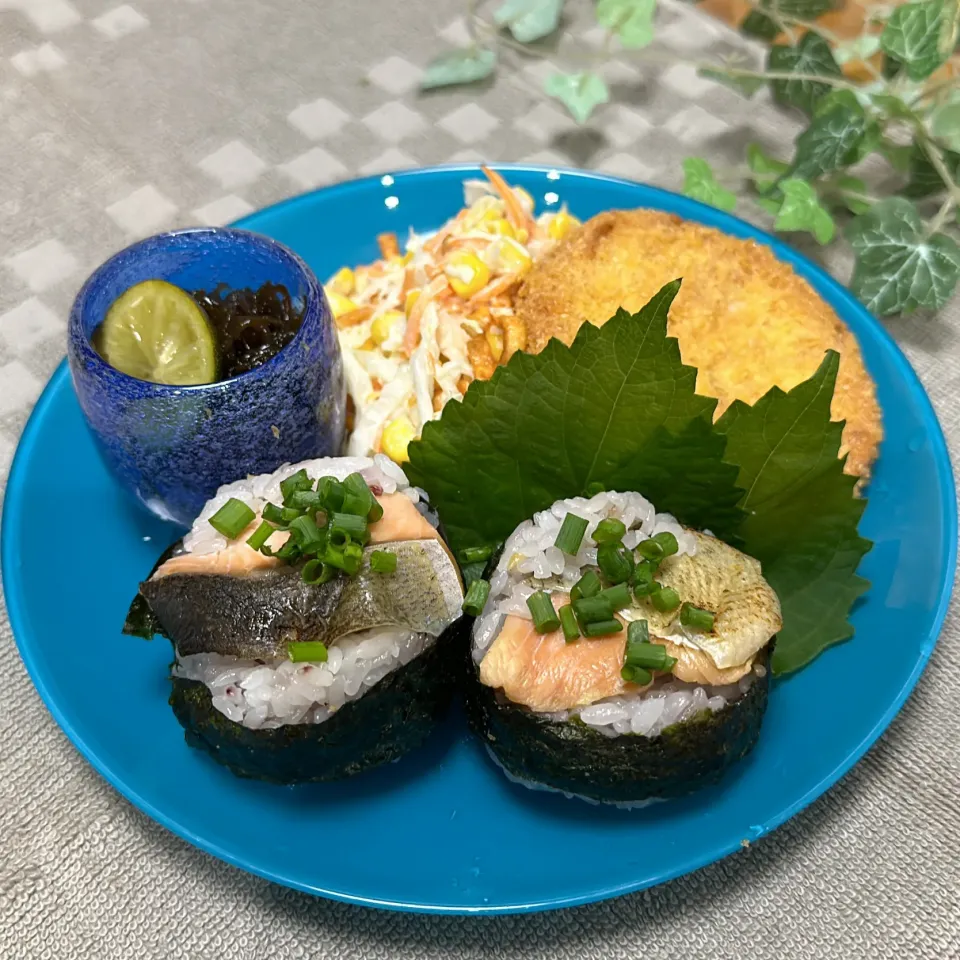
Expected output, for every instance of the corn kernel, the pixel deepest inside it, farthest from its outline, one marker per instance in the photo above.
(396, 438)
(561, 225)
(495, 340)
(467, 273)
(513, 258)
(344, 281)
(500, 227)
(382, 325)
(407, 257)
(411, 299)
(340, 304)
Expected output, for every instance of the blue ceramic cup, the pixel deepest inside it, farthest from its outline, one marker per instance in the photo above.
(170, 446)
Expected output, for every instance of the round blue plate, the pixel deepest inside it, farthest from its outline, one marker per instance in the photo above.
(444, 831)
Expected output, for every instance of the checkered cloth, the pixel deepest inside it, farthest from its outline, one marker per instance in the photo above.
(119, 121)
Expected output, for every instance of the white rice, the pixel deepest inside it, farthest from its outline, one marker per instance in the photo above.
(275, 693)
(379, 471)
(531, 562)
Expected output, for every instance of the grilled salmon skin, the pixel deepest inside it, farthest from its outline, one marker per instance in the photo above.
(742, 317)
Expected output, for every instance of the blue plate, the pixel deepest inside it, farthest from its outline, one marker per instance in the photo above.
(444, 831)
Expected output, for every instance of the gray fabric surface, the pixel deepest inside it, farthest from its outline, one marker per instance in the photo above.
(118, 121)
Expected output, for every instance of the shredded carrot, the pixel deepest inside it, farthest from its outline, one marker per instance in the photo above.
(515, 213)
(430, 292)
(352, 317)
(389, 245)
(493, 289)
(408, 281)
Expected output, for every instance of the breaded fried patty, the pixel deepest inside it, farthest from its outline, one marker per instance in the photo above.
(743, 317)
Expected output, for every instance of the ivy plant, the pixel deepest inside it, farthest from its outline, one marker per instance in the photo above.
(906, 110)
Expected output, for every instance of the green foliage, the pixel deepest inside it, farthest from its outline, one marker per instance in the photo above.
(580, 93)
(459, 66)
(630, 20)
(912, 36)
(831, 141)
(801, 210)
(700, 183)
(811, 57)
(530, 20)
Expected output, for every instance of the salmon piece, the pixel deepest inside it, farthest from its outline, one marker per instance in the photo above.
(401, 520)
(695, 666)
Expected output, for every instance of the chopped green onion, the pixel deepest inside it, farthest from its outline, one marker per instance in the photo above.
(306, 500)
(307, 651)
(359, 499)
(602, 628)
(650, 656)
(650, 550)
(476, 598)
(272, 512)
(383, 561)
(350, 525)
(316, 572)
(594, 488)
(568, 623)
(615, 561)
(571, 534)
(618, 597)
(331, 493)
(475, 554)
(232, 518)
(636, 675)
(668, 543)
(376, 512)
(293, 483)
(261, 535)
(471, 572)
(587, 586)
(638, 632)
(290, 513)
(305, 532)
(289, 551)
(545, 619)
(643, 582)
(352, 558)
(609, 529)
(592, 609)
(699, 619)
(665, 599)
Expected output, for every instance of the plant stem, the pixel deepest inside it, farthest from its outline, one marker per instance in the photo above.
(946, 208)
(935, 155)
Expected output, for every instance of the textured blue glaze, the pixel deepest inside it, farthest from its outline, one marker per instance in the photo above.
(171, 447)
(444, 830)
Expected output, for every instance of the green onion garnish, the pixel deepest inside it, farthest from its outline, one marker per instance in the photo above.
(331, 493)
(316, 571)
(587, 586)
(359, 499)
(650, 550)
(476, 598)
(594, 488)
(307, 651)
(665, 599)
(668, 543)
(232, 518)
(272, 512)
(289, 551)
(383, 561)
(293, 483)
(289, 513)
(602, 628)
(375, 513)
(545, 619)
(609, 529)
(571, 534)
(352, 558)
(592, 609)
(261, 535)
(637, 632)
(618, 597)
(643, 582)
(306, 500)
(650, 656)
(699, 619)
(568, 623)
(615, 561)
(636, 675)
(305, 531)
(349, 525)
(475, 554)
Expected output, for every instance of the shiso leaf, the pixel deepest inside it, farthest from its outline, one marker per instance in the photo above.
(801, 512)
(618, 407)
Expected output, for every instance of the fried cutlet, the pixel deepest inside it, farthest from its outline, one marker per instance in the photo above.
(742, 317)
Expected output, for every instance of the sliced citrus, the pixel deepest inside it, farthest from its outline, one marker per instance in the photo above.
(156, 331)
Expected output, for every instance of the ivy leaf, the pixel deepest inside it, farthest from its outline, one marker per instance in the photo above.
(832, 139)
(759, 25)
(617, 406)
(811, 56)
(630, 20)
(945, 124)
(529, 20)
(802, 514)
(803, 9)
(801, 210)
(459, 66)
(899, 268)
(912, 37)
(859, 48)
(700, 183)
(766, 170)
(747, 86)
(924, 179)
(847, 185)
(770, 204)
(580, 93)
